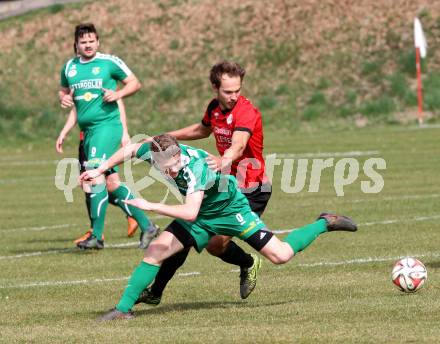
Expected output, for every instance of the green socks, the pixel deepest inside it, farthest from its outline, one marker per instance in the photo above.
(87, 197)
(97, 202)
(123, 193)
(141, 277)
(98, 208)
(302, 237)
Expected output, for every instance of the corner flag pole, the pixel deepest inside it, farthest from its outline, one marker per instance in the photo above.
(420, 45)
(419, 88)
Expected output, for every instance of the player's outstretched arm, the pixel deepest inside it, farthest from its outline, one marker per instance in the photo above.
(213, 161)
(238, 145)
(187, 211)
(191, 132)
(70, 123)
(239, 142)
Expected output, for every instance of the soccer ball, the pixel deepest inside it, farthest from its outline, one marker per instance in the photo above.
(409, 275)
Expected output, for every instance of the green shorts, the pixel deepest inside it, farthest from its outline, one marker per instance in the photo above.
(240, 224)
(100, 143)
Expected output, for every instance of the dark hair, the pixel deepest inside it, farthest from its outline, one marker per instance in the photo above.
(162, 142)
(82, 29)
(225, 67)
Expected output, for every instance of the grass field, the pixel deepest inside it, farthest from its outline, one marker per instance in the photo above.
(338, 290)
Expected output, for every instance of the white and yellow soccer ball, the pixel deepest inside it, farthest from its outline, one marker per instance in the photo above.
(409, 275)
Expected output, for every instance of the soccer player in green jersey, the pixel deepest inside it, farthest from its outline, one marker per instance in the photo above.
(68, 126)
(89, 82)
(213, 205)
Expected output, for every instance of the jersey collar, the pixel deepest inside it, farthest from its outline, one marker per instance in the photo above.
(88, 61)
(184, 160)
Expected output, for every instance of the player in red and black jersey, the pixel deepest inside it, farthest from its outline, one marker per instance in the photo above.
(237, 127)
(238, 133)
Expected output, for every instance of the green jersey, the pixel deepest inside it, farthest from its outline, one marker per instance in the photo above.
(221, 191)
(224, 209)
(87, 79)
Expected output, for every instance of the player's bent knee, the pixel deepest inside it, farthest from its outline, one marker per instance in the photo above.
(111, 186)
(279, 259)
(283, 259)
(215, 251)
(156, 253)
(217, 245)
(277, 252)
(112, 182)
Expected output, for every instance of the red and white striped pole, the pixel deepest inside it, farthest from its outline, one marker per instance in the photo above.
(420, 45)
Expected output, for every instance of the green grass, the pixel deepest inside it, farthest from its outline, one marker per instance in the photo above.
(329, 293)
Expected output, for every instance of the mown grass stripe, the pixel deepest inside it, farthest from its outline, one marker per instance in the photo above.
(197, 273)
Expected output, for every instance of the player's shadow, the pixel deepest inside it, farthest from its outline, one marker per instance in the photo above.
(54, 250)
(189, 306)
(61, 250)
(69, 250)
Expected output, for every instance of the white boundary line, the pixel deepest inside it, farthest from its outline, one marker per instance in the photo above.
(42, 228)
(280, 231)
(394, 198)
(415, 219)
(197, 273)
(385, 222)
(324, 154)
(61, 283)
(26, 179)
(375, 198)
(157, 217)
(66, 250)
(366, 260)
(5, 163)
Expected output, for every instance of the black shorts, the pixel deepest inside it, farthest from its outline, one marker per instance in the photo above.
(259, 239)
(81, 157)
(258, 199)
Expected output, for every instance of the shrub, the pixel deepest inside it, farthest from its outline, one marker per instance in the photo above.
(377, 107)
